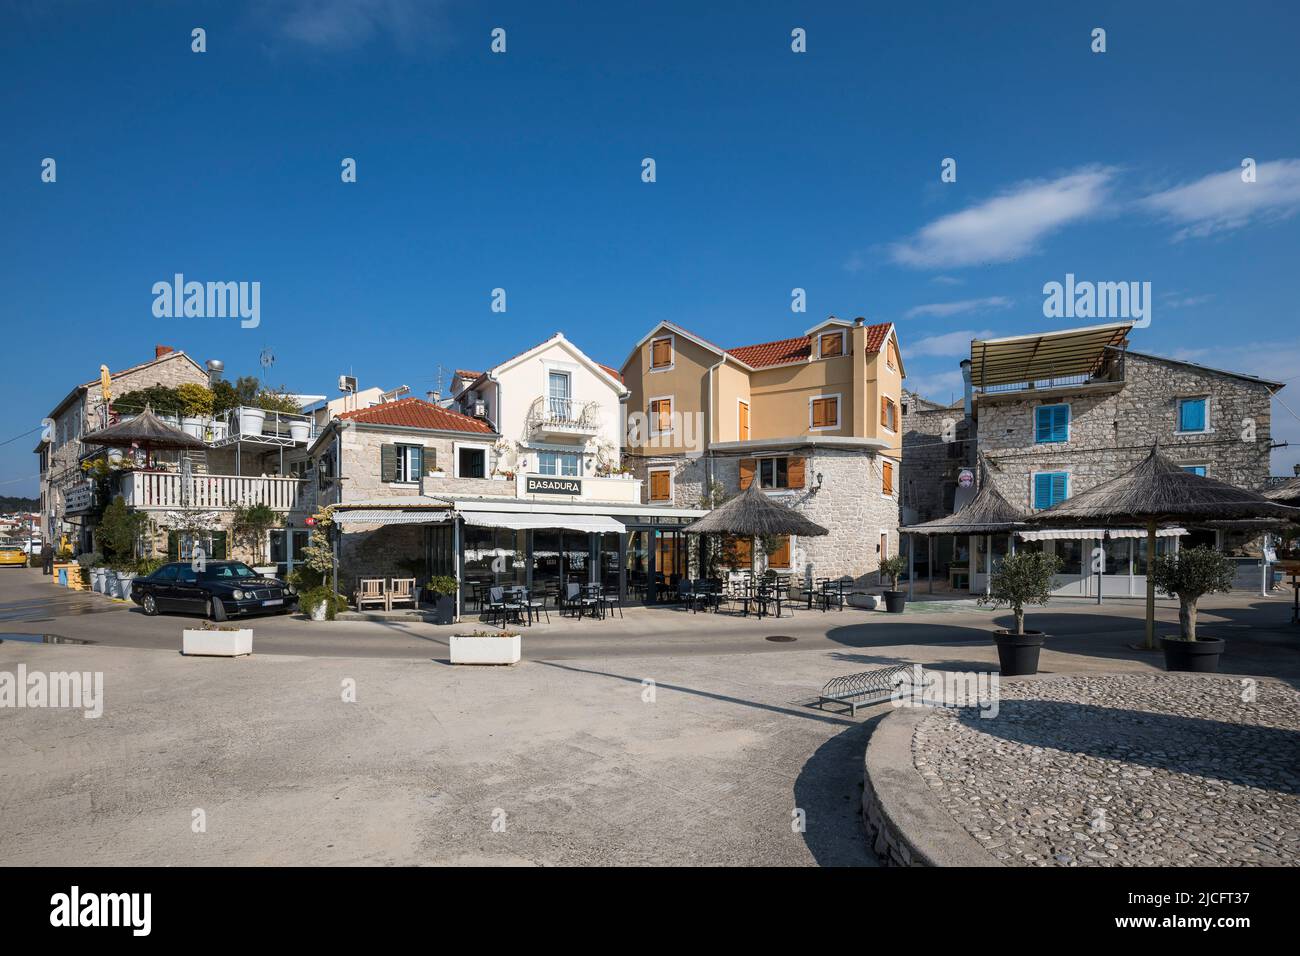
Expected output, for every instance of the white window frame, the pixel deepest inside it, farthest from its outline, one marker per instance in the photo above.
(1178, 414)
(455, 457)
(402, 449)
(672, 364)
(1069, 423)
(649, 484)
(1033, 483)
(839, 413)
(558, 455)
(844, 344)
(653, 424)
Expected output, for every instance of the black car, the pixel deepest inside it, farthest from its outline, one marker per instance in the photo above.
(220, 590)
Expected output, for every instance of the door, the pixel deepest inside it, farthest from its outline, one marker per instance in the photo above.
(187, 596)
(559, 396)
(163, 586)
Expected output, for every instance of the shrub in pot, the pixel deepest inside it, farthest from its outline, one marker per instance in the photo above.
(443, 589)
(893, 568)
(1024, 578)
(322, 604)
(1189, 575)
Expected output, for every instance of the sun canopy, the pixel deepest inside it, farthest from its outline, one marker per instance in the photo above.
(753, 513)
(390, 516)
(145, 430)
(1096, 534)
(1031, 358)
(1287, 493)
(987, 513)
(532, 520)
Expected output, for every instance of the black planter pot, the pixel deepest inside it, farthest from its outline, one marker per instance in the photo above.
(1200, 656)
(444, 609)
(1018, 653)
(895, 601)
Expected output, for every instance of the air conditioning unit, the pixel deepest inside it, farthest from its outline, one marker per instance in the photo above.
(348, 383)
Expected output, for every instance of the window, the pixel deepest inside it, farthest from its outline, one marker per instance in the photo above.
(742, 421)
(1051, 423)
(883, 547)
(471, 462)
(661, 353)
(830, 344)
(1050, 487)
(559, 396)
(888, 413)
(824, 412)
(886, 476)
(661, 415)
(559, 463)
(1195, 469)
(661, 485)
(409, 464)
(1193, 415)
(773, 473)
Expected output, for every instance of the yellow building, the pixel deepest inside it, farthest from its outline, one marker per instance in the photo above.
(814, 419)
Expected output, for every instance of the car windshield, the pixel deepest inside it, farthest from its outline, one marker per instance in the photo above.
(228, 572)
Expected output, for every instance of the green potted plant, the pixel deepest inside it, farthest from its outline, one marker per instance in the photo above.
(443, 588)
(1024, 578)
(249, 525)
(893, 568)
(322, 604)
(1189, 575)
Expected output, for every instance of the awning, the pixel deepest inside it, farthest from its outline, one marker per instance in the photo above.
(527, 520)
(1096, 534)
(1043, 356)
(391, 516)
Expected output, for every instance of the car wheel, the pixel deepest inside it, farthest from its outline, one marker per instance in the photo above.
(149, 604)
(216, 610)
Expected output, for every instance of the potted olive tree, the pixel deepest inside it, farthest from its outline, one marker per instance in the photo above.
(893, 568)
(443, 588)
(1190, 575)
(1024, 578)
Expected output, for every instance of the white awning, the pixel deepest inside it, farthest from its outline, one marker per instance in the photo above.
(1095, 534)
(390, 516)
(523, 521)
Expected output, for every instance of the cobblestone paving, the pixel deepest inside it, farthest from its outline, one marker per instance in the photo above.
(1124, 770)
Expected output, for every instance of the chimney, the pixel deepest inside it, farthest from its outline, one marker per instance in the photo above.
(434, 397)
(215, 368)
(859, 321)
(966, 386)
(160, 350)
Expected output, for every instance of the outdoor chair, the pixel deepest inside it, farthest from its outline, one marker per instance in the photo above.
(571, 601)
(686, 594)
(371, 592)
(593, 600)
(609, 602)
(500, 609)
(401, 591)
(534, 604)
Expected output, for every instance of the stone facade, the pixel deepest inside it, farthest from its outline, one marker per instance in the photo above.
(937, 444)
(850, 504)
(1112, 429)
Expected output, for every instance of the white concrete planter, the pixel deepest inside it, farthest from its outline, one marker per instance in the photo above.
(124, 579)
(466, 649)
(251, 421)
(98, 579)
(202, 643)
(299, 431)
(319, 611)
(110, 582)
(868, 601)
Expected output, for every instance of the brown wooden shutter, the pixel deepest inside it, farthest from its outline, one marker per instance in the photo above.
(832, 413)
(746, 472)
(661, 353)
(884, 412)
(738, 551)
(744, 421)
(818, 414)
(887, 476)
(794, 472)
(659, 486)
(781, 556)
(387, 462)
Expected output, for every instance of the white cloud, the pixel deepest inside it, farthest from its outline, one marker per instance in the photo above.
(945, 309)
(942, 387)
(1008, 226)
(342, 24)
(1221, 201)
(949, 345)
(1175, 300)
(947, 280)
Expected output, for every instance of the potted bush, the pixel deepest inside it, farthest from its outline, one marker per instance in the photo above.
(443, 589)
(322, 604)
(893, 568)
(487, 647)
(1024, 578)
(1190, 575)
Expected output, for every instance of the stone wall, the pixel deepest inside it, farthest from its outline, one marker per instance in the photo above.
(936, 446)
(849, 504)
(1112, 432)
(376, 551)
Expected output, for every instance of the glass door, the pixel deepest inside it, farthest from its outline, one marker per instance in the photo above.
(559, 395)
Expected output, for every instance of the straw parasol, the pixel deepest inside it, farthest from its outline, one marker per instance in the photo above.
(752, 513)
(1159, 489)
(1287, 493)
(147, 431)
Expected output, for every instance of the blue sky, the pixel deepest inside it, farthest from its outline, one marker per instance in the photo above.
(522, 170)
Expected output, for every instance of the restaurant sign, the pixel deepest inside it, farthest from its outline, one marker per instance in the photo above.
(541, 485)
(79, 498)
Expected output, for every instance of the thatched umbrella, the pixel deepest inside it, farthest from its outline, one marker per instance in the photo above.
(1160, 490)
(988, 513)
(1287, 493)
(751, 514)
(145, 430)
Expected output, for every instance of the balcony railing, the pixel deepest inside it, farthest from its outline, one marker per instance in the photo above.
(158, 490)
(563, 416)
(1110, 373)
(264, 427)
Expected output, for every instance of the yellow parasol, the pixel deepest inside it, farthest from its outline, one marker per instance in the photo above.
(105, 383)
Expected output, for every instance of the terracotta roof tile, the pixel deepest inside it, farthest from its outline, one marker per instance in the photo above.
(786, 351)
(417, 413)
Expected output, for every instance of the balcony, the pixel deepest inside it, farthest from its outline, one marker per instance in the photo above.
(1109, 376)
(168, 491)
(262, 427)
(563, 418)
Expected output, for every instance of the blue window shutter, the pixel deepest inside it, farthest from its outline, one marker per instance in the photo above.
(1042, 424)
(1042, 491)
(1061, 423)
(1059, 487)
(1051, 423)
(1192, 415)
(1195, 469)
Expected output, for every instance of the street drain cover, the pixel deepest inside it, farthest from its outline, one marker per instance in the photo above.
(780, 638)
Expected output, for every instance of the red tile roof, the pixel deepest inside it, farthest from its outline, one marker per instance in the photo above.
(465, 373)
(786, 351)
(417, 413)
(618, 376)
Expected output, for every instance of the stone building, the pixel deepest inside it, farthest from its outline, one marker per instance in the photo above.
(938, 444)
(814, 419)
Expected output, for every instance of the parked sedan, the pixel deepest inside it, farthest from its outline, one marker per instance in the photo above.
(12, 555)
(223, 589)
